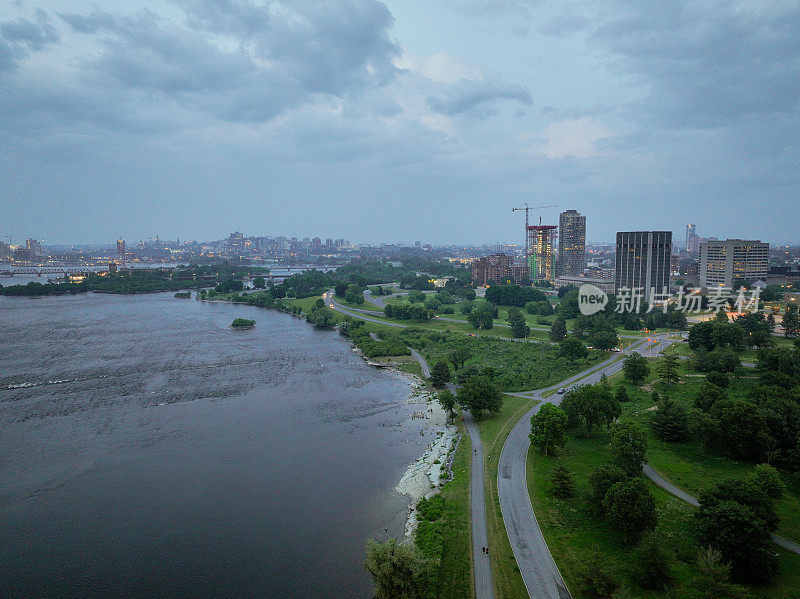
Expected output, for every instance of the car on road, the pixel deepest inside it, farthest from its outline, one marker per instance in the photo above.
(561, 391)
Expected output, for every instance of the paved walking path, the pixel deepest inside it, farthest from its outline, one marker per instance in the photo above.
(681, 494)
(481, 561)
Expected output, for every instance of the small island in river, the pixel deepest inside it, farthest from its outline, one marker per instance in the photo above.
(242, 323)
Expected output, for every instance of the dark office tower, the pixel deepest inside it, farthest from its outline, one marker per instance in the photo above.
(643, 261)
(120, 247)
(571, 243)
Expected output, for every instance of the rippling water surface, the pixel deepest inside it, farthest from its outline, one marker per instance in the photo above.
(146, 449)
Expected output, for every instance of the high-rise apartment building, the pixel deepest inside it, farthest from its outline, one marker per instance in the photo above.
(643, 261)
(120, 247)
(724, 261)
(541, 252)
(571, 243)
(491, 269)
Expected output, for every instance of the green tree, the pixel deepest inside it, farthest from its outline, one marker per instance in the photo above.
(629, 447)
(573, 348)
(481, 316)
(670, 421)
(653, 566)
(590, 406)
(668, 369)
(448, 402)
(548, 428)
(399, 571)
(740, 429)
(558, 331)
(713, 577)
(736, 518)
(458, 356)
(601, 480)
(440, 374)
(768, 479)
(259, 283)
(791, 322)
(519, 329)
(479, 394)
(635, 367)
(561, 482)
(630, 509)
(416, 296)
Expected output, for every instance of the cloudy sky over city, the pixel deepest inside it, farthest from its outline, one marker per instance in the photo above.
(399, 120)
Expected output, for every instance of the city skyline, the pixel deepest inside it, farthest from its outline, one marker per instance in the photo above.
(396, 120)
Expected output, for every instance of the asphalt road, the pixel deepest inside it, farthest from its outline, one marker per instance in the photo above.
(536, 563)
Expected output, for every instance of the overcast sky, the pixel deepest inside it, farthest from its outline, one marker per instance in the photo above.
(397, 121)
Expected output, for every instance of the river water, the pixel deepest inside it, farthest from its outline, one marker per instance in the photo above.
(146, 449)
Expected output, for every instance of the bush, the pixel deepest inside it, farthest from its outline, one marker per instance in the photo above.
(561, 482)
(653, 568)
(594, 577)
(621, 394)
(573, 348)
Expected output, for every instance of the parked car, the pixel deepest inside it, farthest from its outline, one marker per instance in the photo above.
(561, 391)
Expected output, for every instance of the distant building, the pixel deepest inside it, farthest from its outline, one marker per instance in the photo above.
(34, 248)
(571, 243)
(541, 246)
(491, 269)
(120, 247)
(606, 285)
(692, 240)
(722, 262)
(643, 261)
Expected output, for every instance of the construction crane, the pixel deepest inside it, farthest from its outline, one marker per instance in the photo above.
(527, 208)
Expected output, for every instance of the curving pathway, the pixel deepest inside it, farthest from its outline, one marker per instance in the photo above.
(681, 494)
(481, 562)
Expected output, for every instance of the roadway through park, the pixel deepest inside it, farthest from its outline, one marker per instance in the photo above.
(536, 564)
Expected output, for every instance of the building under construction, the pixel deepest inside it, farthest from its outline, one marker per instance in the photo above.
(541, 252)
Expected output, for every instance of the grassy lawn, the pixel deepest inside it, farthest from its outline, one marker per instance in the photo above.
(494, 429)
(518, 366)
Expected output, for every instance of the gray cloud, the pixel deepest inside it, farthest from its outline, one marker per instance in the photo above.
(708, 64)
(466, 95)
(20, 37)
(281, 59)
